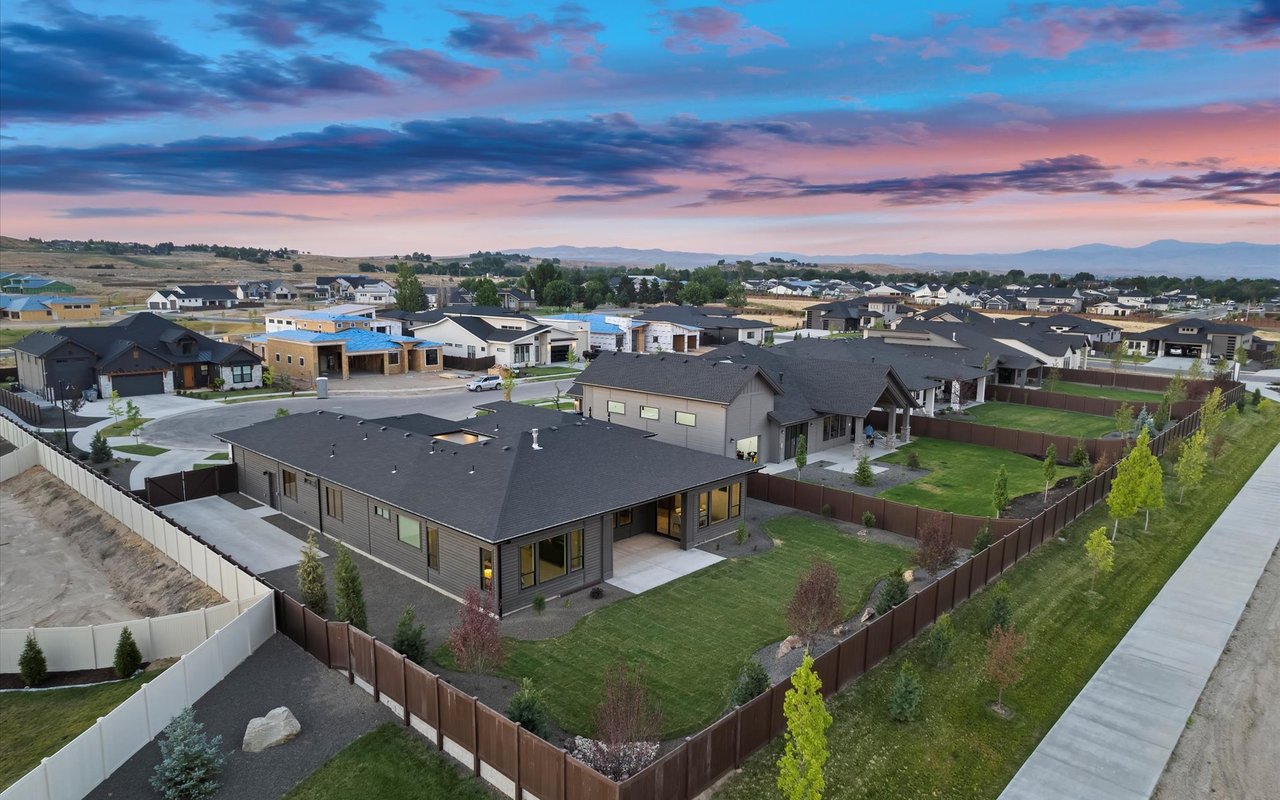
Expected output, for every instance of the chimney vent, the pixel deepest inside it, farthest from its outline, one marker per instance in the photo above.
(534, 434)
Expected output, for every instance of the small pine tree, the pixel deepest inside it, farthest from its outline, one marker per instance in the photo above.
(528, 707)
(189, 760)
(1000, 492)
(311, 582)
(1161, 417)
(904, 699)
(863, 476)
(983, 540)
(128, 658)
(1101, 554)
(1000, 613)
(349, 602)
(942, 635)
(31, 663)
(913, 459)
(804, 754)
(802, 453)
(1255, 399)
(409, 637)
(1050, 469)
(894, 593)
(752, 682)
(99, 451)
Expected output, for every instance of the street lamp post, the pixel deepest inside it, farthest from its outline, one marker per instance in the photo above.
(62, 400)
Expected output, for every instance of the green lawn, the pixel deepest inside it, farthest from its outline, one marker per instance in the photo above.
(217, 457)
(388, 762)
(566, 403)
(1044, 420)
(245, 397)
(961, 476)
(205, 466)
(140, 449)
(1109, 392)
(694, 634)
(548, 371)
(124, 427)
(8, 336)
(958, 749)
(35, 725)
(213, 395)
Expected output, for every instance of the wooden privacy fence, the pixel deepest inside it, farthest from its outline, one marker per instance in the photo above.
(1098, 406)
(178, 487)
(1027, 443)
(21, 406)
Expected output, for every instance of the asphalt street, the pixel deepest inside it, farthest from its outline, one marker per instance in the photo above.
(195, 429)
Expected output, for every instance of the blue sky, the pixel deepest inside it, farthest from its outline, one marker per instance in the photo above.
(732, 126)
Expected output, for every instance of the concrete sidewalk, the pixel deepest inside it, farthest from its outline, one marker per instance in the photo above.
(259, 545)
(1115, 738)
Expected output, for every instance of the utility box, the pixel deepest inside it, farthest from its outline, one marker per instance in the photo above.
(322, 388)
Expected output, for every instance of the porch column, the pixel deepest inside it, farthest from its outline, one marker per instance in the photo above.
(893, 424)
(955, 395)
(982, 389)
(930, 399)
(906, 427)
(386, 363)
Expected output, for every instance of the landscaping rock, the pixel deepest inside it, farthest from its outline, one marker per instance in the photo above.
(868, 614)
(788, 644)
(909, 575)
(277, 727)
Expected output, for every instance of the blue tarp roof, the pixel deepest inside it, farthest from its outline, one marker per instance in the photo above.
(357, 340)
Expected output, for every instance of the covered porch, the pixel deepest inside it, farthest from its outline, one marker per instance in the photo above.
(646, 560)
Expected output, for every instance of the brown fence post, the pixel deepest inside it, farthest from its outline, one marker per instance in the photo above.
(404, 687)
(440, 717)
(373, 644)
(351, 663)
(737, 732)
(475, 737)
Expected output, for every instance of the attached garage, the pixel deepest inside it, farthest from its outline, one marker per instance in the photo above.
(134, 385)
(560, 352)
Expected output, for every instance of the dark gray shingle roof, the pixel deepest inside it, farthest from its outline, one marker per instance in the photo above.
(670, 374)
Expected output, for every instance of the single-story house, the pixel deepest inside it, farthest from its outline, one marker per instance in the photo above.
(331, 319)
(274, 290)
(30, 307)
(478, 337)
(521, 502)
(142, 354)
(1191, 338)
(305, 355)
(1048, 298)
(1090, 330)
(857, 314)
(177, 298)
(15, 283)
(713, 325)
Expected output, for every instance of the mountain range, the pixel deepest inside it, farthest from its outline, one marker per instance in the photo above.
(1165, 257)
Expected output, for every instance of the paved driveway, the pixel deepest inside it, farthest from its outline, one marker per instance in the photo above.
(260, 546)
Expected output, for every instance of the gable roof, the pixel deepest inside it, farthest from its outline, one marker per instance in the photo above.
(699, 317)
(207, 292)
(674, 375)
(496, 489)
(155, 334)
(919, 368)
(1203, 328)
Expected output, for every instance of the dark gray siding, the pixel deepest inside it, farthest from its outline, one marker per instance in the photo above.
(249, 472)
(460, 562)
(385, 544)
(353, 528)
(593, 542)
(695, 535)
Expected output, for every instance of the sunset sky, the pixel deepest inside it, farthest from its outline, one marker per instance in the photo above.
(360, 127)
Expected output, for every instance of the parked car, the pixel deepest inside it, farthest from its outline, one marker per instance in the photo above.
(484, 382)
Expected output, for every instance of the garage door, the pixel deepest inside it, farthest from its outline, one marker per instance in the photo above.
(134, 385)
(560, 352)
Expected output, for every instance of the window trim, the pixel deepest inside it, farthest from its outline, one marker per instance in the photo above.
(651, 412)
(577, 542)
(616, 407)
(332, 493)
(690, 416)
(433, 547)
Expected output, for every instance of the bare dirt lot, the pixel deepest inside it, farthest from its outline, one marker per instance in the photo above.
(63, 562)
(1229, 747)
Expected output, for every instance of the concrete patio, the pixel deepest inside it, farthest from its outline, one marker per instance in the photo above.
(241, 533)
(647, 560)
(839, 459)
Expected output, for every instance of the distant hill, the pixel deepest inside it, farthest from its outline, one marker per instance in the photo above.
(1164, 257)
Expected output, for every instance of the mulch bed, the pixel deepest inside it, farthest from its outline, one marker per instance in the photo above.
(75, 677)
(1030, 505)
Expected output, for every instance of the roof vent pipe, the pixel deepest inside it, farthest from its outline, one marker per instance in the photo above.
(534, 434)
(953, 336)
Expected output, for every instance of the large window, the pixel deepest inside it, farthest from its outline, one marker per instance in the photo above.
(486, 569)
(551, 558)
(393, 358)
(719, 504)
(617, 407)
(648, 412)
(522, 353)
(433, 548)
(410, 531)
(289, 480)
(835, 426)
(333, 502)
(686, 418)
(242, 373)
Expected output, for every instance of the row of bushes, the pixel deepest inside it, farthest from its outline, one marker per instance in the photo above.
(34, 669)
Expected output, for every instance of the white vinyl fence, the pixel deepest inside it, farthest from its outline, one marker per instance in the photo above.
(211, 642)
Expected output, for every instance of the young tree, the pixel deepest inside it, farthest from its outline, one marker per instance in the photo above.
(1080, 458)
(113, 405)
(752, 682)
(410, 296)
(934, 547)
(189, 760)
(1126, 493)
(32, 665)
(904, 699)
(131, 411)
(1255, 399)
(982, 540)
(1176, 390)
(1050, 469)
(528, 707)
(1163, 412)
(863, 476)
(409, 637)
(815, 605)
(99, 451)
(802, 453)
(311, 581)
(348, 601)
(1000, 492)
(1004, 660)
(508, 384)
(1195, 378)
(1151, 483)
(1124, 419)
(941, 636)
(1051, 382)
(1116, 358)
(1213, 412)
(475, 640)
(128, 658)
(627, 712)
(804, 754)
(1101, 554)
(1192, 463)
(1000, 613)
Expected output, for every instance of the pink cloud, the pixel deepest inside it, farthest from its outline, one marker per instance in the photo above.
(695, 28)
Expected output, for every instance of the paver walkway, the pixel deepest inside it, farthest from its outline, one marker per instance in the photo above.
(1114, 740)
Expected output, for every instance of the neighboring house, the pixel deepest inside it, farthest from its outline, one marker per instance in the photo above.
(331, 319)
(976, 346)
(1090, 330)
(179, 298)
(515, 299)
(1050, 347)
(522, 502)
(47, 307)
(712, 325)
(475, 337)
(1110, 309)
(898, 291)
(950, 312)
(1191, 338)
(1042, 298)
(273, 291)
(379, 293)
(590, 331)
(142, 354)
(723, 405)
(14, 283)
(342, 351)
(351, 287)
(1002, 301)
(452, 296)
(857, 314)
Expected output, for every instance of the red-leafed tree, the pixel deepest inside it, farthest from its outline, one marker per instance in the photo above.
(934, 549)
(1004, 660)
(816, 604)
(476, 641)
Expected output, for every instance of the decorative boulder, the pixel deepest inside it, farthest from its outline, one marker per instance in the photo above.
(868, 613)
(788, 644)
(277, 727)
(909, 575)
